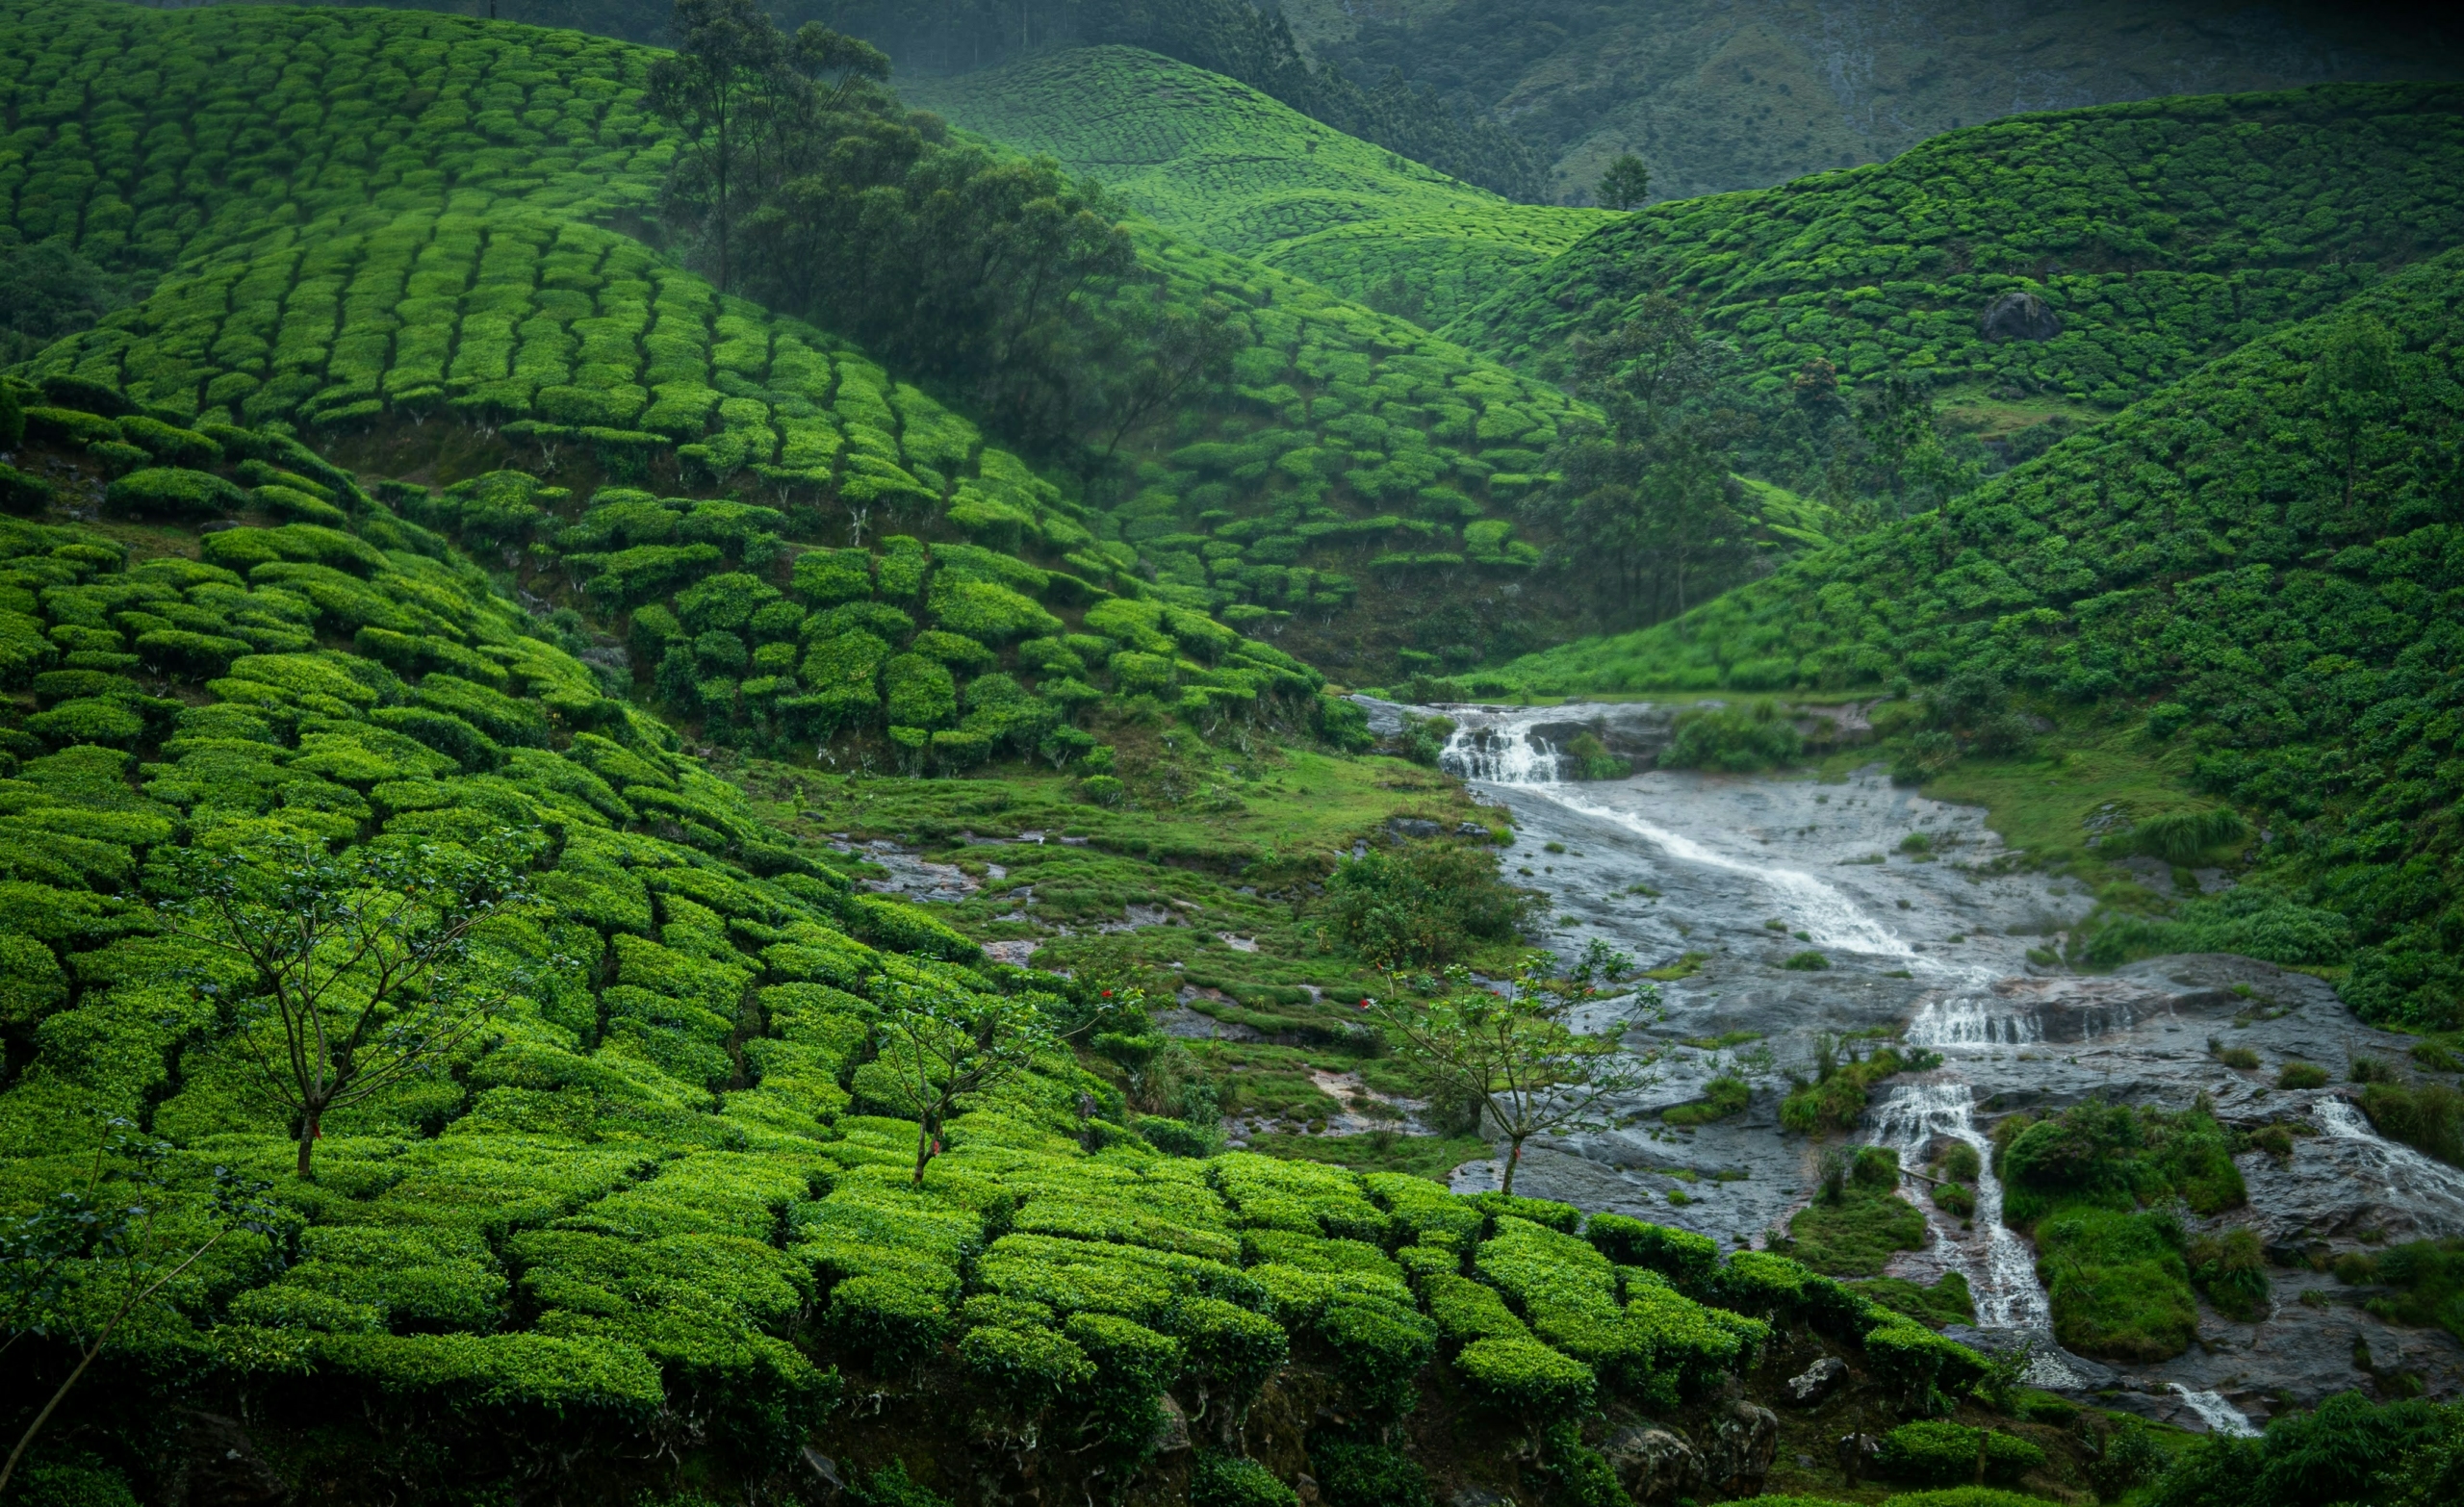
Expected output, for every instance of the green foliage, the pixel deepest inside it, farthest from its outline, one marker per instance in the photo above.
(1332, 208)
(2340, 1450)
(1526, 1378)
(1854, 1230)
(1424, 905)
(1841, 1088)
(1739, 740)
(1358, 1472)
(1936, 1452)
(1233, 1481)
(1891, 266)
(2429, 1115)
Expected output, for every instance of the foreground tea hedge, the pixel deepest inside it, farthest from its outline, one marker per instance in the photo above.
(671, 1178)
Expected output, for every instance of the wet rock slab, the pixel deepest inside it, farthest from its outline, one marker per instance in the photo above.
(1933, 940)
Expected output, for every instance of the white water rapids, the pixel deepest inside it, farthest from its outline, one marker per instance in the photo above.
(1733, 863)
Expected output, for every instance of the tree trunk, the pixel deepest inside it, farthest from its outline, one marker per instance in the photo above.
(1513, 1159)
(308, 1134)
(923, 1147)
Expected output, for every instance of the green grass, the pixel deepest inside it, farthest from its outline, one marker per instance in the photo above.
(1213, 160)
(1947, 1301)
(2214, 221)
(1857, 1234)
(1430, 1157)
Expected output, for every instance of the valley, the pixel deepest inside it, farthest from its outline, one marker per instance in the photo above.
(934, 756)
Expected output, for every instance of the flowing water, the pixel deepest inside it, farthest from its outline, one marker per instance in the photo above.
(1733, 876)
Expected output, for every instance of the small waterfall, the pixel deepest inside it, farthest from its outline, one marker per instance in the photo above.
(2220, 1416)
(1506, 751)
(2007, 1292)
(2431, 1192)
(1966, 1021)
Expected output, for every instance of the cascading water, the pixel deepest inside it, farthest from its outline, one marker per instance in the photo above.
(2431, 1192)
(2008, 1294)
(1740, 878)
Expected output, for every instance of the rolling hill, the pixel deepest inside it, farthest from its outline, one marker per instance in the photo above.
(2126, 246)
(1220, 163)
(455, 236)
(2256, 568)
(1718, 95)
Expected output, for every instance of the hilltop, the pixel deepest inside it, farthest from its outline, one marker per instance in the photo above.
(1717, 96)
(1225, 164)
(2123, 246)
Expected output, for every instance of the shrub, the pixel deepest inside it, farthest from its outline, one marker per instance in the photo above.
(1355, 1472)
(1029, 1367)
(168, 443)
(1525, 1377)
(1379, 1350)
(2302, 1075)
(12, 417)
(170, 492)
(1465, 1310)
(22, 494)
(1935, 1451)
(1231, 1350)
(889, 1487)
(2232, 1271)
(2428, 1116)
(1687, 1260)
(1722, 1097)
(1133, 1366)
(1423, 904)
(2184, 837)
(893, 1319)
(1808, 961)
(1738, 739)
(1233, 1481)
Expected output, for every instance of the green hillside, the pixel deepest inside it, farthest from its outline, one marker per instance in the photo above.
(1225, 164)
(2159, 235)
(433, 253)
(679, 1168)
(2255, 568)
(1718, 94)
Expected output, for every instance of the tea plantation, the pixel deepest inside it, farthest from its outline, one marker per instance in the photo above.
(1215, 161)
(2157, 236)
(422, 246)
(2256, 565)
(665, 1206)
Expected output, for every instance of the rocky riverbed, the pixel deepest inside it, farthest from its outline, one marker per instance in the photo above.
(1935, 941)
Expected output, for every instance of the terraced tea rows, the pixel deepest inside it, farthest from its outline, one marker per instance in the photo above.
(1220, 163)
(1349, 450)
(2152, 238)
(672, 1173)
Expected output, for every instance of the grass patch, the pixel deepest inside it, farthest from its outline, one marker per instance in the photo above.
(1431, 1157)
(1843, 1082)
(2120, 1286)
(2423, 1279)
(1858, 1221)
(1722, 1097)
(1684, 967)
(1948, 1301)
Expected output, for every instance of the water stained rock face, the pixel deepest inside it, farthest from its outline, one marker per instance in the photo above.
(1735, 876)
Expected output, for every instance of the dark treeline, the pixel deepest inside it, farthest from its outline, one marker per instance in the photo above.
(803, 184)
(1649, 515)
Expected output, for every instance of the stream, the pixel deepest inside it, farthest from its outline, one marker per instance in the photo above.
(1931, 942)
